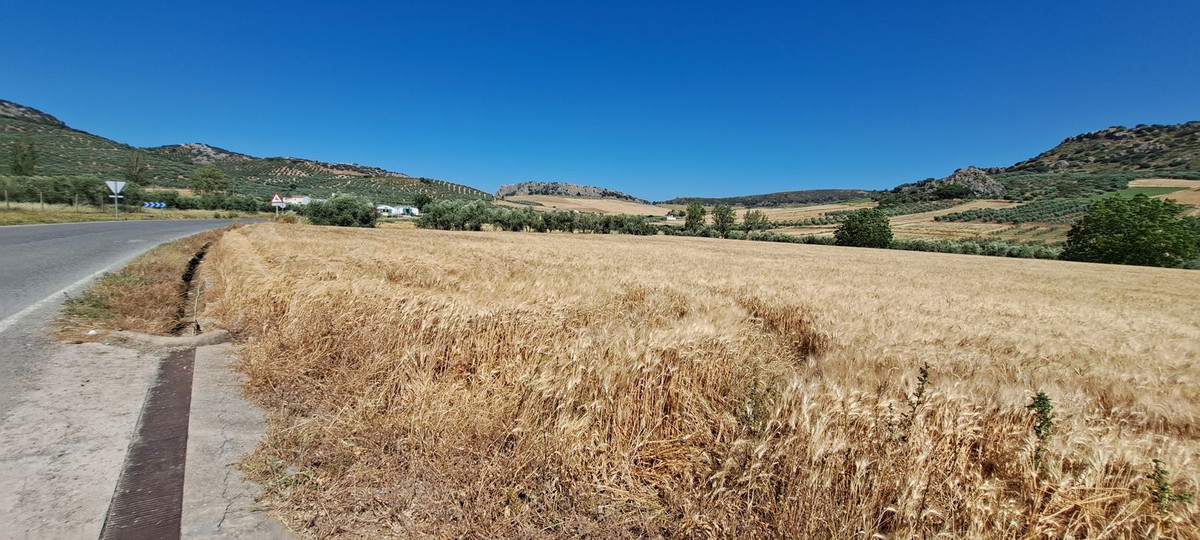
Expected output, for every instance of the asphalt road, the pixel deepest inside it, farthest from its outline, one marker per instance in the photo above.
(69, 411)
(39, 263)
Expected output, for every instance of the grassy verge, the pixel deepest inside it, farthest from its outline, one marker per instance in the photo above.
(33, 214)
(147, 295)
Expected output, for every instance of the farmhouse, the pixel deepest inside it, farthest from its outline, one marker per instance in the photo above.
(301, 200)
(396, 211)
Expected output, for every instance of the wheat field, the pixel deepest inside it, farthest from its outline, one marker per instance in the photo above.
(449, 384)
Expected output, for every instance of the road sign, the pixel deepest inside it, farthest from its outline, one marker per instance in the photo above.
(115, 187)
(277, 201)
(154, 204)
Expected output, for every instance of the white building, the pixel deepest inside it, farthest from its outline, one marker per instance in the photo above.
(301, 200)
(397, 211)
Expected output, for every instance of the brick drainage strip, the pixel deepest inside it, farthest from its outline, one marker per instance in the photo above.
(148, 501)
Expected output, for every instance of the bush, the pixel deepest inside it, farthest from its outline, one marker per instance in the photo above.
(344, 211)
(865, 228)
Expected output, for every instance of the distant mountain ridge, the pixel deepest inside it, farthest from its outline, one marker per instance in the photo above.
(806, 196)
(65, 151)
(562, 189)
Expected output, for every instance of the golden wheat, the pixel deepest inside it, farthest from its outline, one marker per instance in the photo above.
(429, 383)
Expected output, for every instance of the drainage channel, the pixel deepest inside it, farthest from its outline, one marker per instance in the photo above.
(186, 293)
(148, 501)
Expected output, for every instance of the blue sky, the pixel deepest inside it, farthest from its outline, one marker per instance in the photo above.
(670, 99)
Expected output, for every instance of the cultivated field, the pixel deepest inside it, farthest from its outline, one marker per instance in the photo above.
(1189, 195)
(429, 383)
(921, 226)
(800, 213)
(594, 205)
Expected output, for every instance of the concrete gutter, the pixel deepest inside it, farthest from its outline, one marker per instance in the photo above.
(218, 502)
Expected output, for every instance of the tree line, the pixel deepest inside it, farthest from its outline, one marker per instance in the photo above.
(462, 215)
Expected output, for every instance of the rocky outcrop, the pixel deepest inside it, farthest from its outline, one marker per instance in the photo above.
(561, 189)
(980, 184)
(976, 182)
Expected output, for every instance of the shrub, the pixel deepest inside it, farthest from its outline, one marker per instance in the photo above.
(344, 211)
(865, 228)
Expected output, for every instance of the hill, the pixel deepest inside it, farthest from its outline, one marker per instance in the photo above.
(808, 196)
(1144, 147)
(562, 189)
(64, 151)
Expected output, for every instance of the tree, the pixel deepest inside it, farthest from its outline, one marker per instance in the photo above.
(23, 157)
(952, 191)
(755, 220)
(209, 179)
(421, 201)
(723, 219)
(865, 228)
(1140, 231)
(137, 169)
(695, 217)
(343, 211)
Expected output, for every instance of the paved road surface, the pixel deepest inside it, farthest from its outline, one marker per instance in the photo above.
(38, 263)
(66, 412)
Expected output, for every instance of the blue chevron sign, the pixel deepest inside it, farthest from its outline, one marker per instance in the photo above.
(154, 204)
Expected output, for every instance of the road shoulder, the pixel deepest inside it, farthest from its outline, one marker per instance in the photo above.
(218, 501)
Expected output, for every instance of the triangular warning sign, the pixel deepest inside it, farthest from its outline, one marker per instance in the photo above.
(276, 199)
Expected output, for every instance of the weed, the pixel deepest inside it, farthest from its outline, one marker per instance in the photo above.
(1162, 492)
(904, 426)
(1043, 427)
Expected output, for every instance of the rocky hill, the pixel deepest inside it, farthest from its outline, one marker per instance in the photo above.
(63, 151)
(966, 182)
(561, 189)
(1118, 148)
(9, 109)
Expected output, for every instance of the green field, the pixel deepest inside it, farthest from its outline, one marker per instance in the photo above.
(1148, 191)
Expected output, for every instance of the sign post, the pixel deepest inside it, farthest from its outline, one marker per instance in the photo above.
(278, 203)
(115, 187)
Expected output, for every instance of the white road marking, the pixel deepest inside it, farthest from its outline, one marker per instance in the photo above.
(16, 317)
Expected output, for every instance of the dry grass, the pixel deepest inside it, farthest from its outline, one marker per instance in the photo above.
(800, 213)
(593, 205)
(147, 295)
(34, 213)
(429, 383)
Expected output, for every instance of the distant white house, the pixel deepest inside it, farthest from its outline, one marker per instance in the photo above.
(301, 200)
(672, 218)
(397, 211)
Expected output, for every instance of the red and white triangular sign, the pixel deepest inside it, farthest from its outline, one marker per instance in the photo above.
(276, 199)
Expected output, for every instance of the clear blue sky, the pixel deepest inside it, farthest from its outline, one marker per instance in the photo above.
(653, 98)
